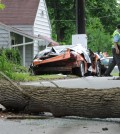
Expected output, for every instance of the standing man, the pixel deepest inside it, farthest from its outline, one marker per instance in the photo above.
(115, 52)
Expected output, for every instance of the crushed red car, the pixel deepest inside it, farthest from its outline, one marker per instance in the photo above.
(72, 59)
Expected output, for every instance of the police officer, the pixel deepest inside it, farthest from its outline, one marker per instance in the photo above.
(115, 52)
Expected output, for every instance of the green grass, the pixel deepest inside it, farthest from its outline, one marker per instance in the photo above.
(27, 77)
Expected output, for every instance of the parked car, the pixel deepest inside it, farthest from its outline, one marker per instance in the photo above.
(66, 59)
(105, 61)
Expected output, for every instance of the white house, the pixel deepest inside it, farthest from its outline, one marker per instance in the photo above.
(25, 24)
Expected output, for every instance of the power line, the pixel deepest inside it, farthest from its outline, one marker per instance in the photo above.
(64, 20)
(97, 17)
(108, 16)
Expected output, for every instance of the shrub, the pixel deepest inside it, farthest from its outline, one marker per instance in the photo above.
(13, 55)
(10, 62)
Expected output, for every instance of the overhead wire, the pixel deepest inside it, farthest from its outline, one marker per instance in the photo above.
(97, 17)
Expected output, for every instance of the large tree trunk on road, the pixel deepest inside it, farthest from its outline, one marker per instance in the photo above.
(99, 103)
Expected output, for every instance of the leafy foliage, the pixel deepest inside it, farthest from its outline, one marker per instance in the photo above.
(107, 11)
(2, 6)
(62, 16)
(98, 39)
(4, 64)
(12, 55)
(9, 62)
(102, 16)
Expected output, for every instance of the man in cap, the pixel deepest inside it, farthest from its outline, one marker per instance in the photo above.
(115, 52)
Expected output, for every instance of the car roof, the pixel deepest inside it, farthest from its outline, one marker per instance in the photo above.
(109, 57)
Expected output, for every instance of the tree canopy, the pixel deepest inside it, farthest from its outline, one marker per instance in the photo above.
(101, 21)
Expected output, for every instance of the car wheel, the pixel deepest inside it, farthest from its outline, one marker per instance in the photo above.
(81, 69)
(98, 68)
(31, 71)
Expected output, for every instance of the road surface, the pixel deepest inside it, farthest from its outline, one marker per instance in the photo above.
(84, 82)
(66, 125)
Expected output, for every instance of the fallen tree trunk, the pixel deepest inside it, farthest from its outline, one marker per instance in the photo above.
(61, 101)
(100, 103)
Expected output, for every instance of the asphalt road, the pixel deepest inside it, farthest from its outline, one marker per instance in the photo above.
(84, 82)
(66, 125)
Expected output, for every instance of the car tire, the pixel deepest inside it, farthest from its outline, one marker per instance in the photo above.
(81, 71)
(31, 71)
(98, 68)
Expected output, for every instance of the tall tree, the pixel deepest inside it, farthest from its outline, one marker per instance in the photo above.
(102, 9)
(62, 15)
(63, 19)
(98, 39)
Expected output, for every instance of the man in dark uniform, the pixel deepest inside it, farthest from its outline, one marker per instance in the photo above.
(115, 52)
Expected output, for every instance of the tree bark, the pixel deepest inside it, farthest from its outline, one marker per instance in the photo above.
(92, 103)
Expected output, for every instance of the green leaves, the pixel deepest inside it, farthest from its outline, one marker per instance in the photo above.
(102, 16)
(106, 10)
(98, 39)
(2, 6)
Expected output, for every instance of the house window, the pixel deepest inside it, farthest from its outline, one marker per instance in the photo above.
(12, 40)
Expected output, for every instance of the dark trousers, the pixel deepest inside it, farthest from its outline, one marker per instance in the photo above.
(115, 61)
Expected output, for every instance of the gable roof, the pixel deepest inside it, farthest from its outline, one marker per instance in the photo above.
(19, 12)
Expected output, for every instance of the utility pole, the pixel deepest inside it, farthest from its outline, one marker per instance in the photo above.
(80, 37)
(80, 16)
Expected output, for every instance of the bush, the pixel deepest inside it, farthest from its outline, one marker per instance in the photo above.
(10, 62)
(12, 54)
(4, 64)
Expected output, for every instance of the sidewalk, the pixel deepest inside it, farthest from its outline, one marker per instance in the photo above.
(84, 82)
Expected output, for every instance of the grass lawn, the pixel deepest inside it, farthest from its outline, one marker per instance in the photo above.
(28, 77)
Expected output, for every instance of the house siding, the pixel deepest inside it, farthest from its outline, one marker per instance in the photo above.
(4, 38)
(41, 25)
(25, 28)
